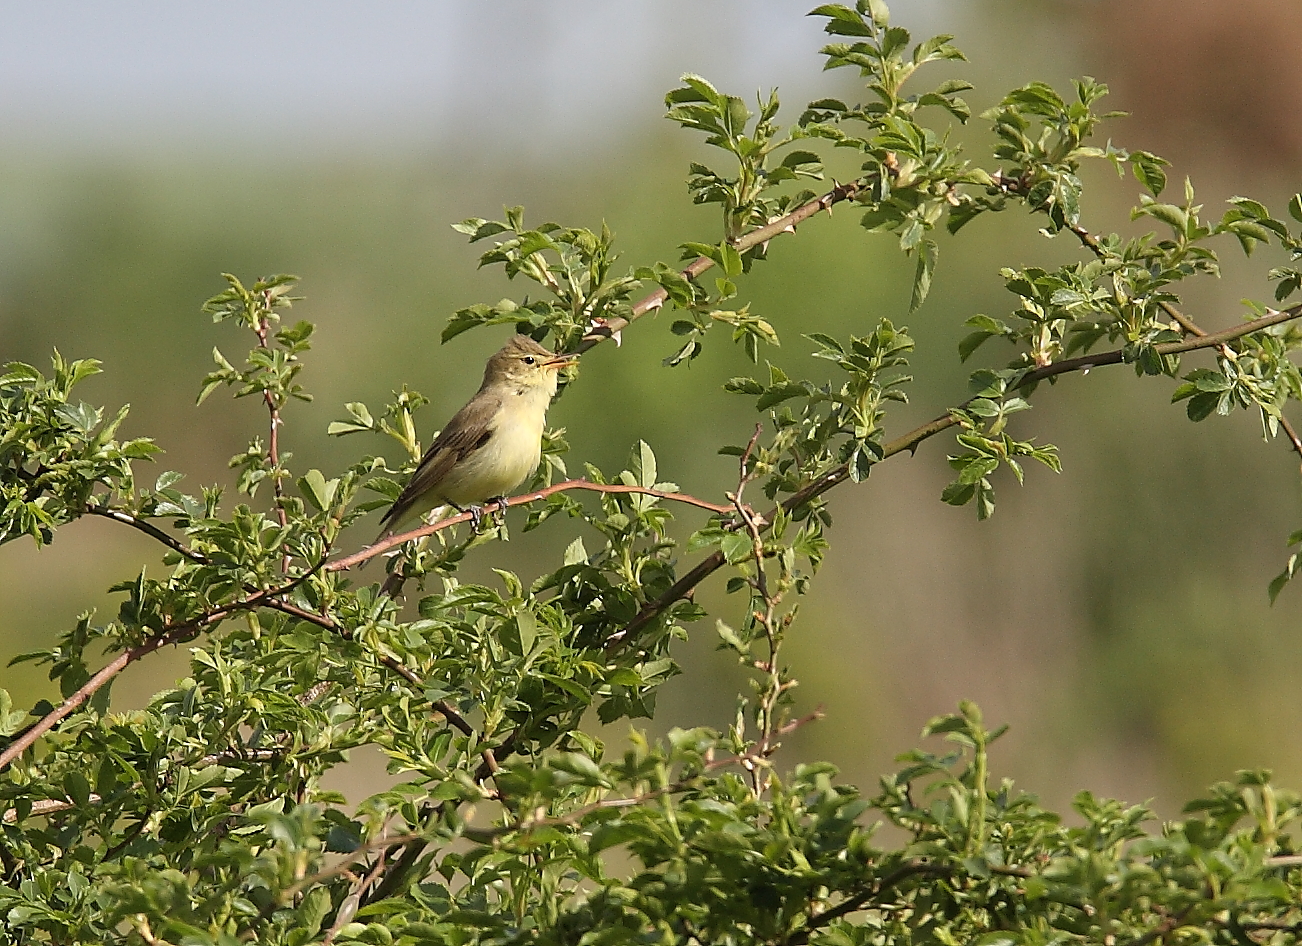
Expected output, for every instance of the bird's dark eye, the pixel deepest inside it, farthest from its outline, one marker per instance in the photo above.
(529, 359)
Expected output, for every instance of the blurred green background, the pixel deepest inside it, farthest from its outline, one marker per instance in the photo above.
(1116, 615)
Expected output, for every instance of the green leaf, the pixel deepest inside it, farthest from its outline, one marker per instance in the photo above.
(958, 493)
(1201, 405)
(603, 837)
(743, 386)
(575, 553)
(731, 259)
(527, 627)
(927, 255)
(77, 788)
(686, 353)
(643, 464)
(1279, 581)
(316, 490)
(582, 768)
(778, 393)
(880, 14)
(730, 638)
(736, 547)
(15, 372)
(11, 720)
(1148, 171)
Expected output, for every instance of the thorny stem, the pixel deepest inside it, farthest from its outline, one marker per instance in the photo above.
(774, 686)
(273, 440)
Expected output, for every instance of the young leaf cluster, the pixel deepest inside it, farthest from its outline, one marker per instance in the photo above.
(837, 424)
(58, 456)
(573, 266)
(725, 121)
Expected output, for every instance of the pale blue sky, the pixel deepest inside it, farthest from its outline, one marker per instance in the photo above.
(256, 76)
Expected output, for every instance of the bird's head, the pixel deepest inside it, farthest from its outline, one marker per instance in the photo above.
(524, 364)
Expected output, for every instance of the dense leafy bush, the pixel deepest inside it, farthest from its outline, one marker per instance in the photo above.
(201, 818)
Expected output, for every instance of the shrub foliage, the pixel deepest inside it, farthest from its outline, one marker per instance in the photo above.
(201, 818)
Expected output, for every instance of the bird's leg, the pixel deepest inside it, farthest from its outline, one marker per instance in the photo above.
(497, 511)
(476, 514)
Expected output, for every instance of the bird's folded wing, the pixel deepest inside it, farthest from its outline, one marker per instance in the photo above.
(466, 432)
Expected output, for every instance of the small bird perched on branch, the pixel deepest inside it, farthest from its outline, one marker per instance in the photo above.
(492, 444)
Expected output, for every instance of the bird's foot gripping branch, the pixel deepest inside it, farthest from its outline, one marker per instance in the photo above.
(202, 818)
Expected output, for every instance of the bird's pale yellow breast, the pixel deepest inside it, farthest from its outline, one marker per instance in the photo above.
(511, 453)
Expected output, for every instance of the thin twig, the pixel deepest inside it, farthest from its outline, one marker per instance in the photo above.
(774, 687)
(1294, 927)
(49, 806)
(348, 909)
(148, 528)
(352, 857)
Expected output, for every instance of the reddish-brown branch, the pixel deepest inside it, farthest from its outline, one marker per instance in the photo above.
(168, 635)
(394, 541)
(658, 297)
(103, 676)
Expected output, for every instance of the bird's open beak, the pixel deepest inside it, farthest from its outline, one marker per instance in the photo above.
(561, 361)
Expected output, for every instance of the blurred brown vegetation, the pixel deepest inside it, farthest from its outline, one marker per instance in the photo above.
(1115, 615)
